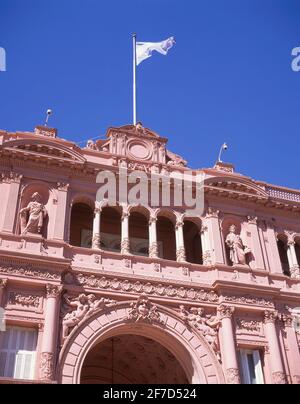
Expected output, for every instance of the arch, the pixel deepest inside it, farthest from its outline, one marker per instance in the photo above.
(166, 237)
(139, 230)
(110, 225)
(81, 225)
(192, 240)
(283, 254)
(188, 346)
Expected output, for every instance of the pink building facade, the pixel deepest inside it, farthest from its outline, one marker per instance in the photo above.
(135, 293)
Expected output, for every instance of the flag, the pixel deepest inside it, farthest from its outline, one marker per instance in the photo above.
(144, 49)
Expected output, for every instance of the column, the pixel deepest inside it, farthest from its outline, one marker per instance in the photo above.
(3, 284)
(212, 220)
(292, 257)
(153, 246)
(125, 243)
(206, 254)
(256, 244)
(61, 211)
(11, 207)
(96, 227)
(229, 354)
(49, 342)
(293, 353)
(277, 369)
(180, 250)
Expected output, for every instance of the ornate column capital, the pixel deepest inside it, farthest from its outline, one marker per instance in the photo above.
(179, 223)
(53, 291)
(225, 311)
(287, 320)
(125, 213)
(252, 219)
(212, 212)
(290, 238)
(203, 229)
(63, 186)
(3, 283)
(270, 316)
(152, 219)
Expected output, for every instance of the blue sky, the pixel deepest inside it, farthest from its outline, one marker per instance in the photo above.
(228, 78)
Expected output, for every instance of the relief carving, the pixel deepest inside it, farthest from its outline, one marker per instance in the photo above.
(238, 250)
(143, 310)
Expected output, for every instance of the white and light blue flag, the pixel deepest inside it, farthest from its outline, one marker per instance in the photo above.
(144, 49)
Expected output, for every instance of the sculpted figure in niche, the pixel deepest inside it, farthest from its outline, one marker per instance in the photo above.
(33, 215)
(238, 250)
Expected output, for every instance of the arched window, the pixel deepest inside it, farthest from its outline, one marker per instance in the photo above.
(110, 228)
(297, 249)
(282, 249)
(81, 228)
(192, 242)
(166, 238)
(139, 233)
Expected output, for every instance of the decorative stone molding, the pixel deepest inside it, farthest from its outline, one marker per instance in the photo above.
(270, 316)
(144, 311)
(151, 288)
(47, 366)
(248, 299)
(53, 291)
(248, 326)
(125, 246)
(153, 250)
(233, 376)
(23, 300)
(180, 255)
(11, 177)
(28, 272)
(279, 378)
(225, 311)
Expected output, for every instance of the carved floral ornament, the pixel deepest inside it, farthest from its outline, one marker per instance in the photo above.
(11, 177)
(24, 300)
(150, 288)
(270, 316)
(53, 291)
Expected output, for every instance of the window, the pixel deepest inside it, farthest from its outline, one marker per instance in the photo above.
(18, 353)
(251, 367)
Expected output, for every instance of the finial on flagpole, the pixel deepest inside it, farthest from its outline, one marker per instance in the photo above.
(49, 112)
(223, 147)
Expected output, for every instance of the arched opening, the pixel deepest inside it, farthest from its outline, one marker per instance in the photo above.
(81, 227)
(282, 249)
(166, 238)
(139, 233)
(192, 242)
(131, 359)
(297, 249)
(110, 227)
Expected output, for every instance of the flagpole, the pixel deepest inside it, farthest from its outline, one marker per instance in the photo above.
(134, 77)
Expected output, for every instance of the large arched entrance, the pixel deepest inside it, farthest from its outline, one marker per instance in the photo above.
(195, 360)
(131, 359)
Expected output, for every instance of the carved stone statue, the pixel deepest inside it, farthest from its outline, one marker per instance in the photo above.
(91, 145)
(85, 306)
(208, 325)
(238, 250)
(143, 310)
(33, 215)
(175, 159)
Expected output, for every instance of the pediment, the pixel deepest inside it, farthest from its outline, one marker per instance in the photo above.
(238, 186)
(135, 130)
(43, 148)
